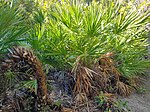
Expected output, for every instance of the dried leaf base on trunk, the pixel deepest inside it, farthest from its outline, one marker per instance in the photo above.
(19, 56)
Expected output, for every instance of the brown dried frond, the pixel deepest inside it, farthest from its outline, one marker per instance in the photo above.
(109, 95)
(83, 84)
(80, 98)
(107, 74)
(83, 81)
(67, 110)
(107, 65)
(123, 89)
(107, 78)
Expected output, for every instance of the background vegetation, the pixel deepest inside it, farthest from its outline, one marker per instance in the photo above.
(61, 31)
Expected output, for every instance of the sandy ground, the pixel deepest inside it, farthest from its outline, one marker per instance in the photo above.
(140, 102)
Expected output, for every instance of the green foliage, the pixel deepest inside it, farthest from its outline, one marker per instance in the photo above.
(142, 90)
(10, 79)
(12, 27)
(60, 32)
(108, 103)
(122, 106)
(30, 84)
(68, 30)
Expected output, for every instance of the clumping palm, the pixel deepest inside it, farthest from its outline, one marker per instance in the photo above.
(86, 49)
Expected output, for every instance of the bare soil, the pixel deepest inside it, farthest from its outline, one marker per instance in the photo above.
(140, 101)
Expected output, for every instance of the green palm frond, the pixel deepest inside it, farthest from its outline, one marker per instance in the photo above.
(67, 30)
(12, 27)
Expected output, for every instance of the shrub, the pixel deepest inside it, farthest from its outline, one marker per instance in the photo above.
(71, 29)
